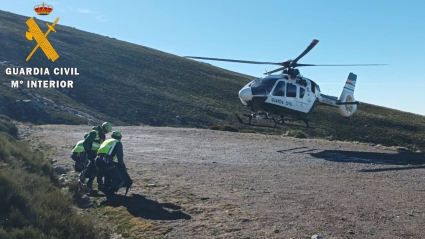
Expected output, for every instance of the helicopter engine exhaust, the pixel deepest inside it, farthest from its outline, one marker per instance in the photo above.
(347, 95)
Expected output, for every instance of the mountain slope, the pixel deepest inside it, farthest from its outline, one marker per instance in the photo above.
(125, 81)
(130, 84)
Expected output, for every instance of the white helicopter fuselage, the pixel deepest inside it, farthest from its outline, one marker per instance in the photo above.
(286, 95)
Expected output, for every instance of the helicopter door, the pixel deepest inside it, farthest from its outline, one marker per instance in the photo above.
(305, 99)
(301, 100)
(283, 95)
(277, 96)
(291, 94)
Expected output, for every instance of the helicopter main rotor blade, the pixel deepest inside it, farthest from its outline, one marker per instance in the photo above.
(238, 61)
(276, 70)
(312, 44)
(344, 65)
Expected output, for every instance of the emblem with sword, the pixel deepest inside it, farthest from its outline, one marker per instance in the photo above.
(41, 39)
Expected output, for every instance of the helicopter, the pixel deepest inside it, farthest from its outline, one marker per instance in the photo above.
(289, 94)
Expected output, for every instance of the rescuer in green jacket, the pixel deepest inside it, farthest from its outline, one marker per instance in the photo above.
(79, 155)
(110, 160)
(91, 144)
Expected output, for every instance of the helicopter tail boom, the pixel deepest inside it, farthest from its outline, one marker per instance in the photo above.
(346, 103)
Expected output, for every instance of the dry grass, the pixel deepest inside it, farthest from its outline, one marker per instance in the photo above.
(131, 226)
(31, 204)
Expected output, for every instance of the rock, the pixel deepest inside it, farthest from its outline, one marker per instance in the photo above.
(151, 185)
(60, 170)
(177, 120)
(116, 236)
(251, 188)
(316, 237)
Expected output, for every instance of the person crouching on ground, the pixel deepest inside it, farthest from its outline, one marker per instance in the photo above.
(110, 160)
(79, 155)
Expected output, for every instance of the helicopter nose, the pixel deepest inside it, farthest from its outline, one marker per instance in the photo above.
(245, 94)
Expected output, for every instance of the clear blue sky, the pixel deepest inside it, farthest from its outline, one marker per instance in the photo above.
(356, 32)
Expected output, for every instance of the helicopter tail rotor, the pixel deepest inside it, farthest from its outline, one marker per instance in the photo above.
(348, 105)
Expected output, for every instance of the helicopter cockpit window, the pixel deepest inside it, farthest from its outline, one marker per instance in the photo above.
(279, 90)
(254, 81)
(291, 90)
(302, 92)
(263, 86)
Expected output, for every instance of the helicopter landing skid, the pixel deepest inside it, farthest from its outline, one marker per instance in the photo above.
(250, 124)
(276, 122)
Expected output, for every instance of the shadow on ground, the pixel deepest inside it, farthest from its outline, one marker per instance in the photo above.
(402, 157)
(390, 169)
(139, 206)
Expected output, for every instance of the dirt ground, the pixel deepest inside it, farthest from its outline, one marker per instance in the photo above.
(211, 184)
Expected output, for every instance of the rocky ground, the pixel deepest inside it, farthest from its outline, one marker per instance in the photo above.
(196, 183)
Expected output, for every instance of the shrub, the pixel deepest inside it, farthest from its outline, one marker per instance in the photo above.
(296, 134)
(7, 126)
(224, 128)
